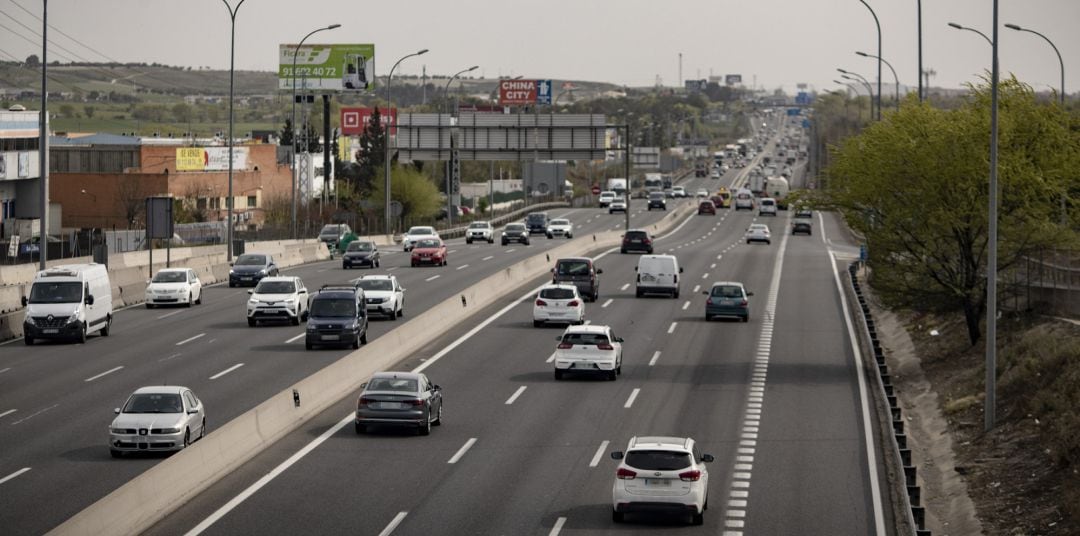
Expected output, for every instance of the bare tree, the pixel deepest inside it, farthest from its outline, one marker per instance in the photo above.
(130, 199)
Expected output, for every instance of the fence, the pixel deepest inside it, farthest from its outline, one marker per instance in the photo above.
(1048, 282)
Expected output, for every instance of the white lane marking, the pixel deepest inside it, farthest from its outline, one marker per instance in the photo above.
(551, 357)
(686, 305)
(185, 341)
(599, 453)
(587, 322)
(462, 267)
(391, 269)
(35, 414)
(633, 396)
(624, 287)
(515, 396)
(718, 257)
(821, 220)
(868, 442)
(557, 527)
(252, 489)
(511, 250)
(110, 371)
(296, 338)
(13, 475)
(655, 356)
(705, 275)
(5, 370)
(8, 412)
(174, 356)
(226, 371)
(607, 303)
(488, 258)
(432, 278)
(672, 328)
(697, 288)
(461, 452)
(713, 265)
(167, 315)
(452, 251)
(394, 523)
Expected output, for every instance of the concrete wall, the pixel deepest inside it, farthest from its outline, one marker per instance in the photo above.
(155, 493)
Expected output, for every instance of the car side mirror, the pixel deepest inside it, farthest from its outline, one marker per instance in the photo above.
(617, 455)
(680, 269)
(89, 299)
(192, 411)
(552, 270)
(148, 281)
(116, 411)
(251, 291)
(436, 387)
(230, 264)
(705, 292)
(618, 339)
(707, 458)
(25, 301)
(635, 268)
(362, 385)
(749, 293)
(599, 271)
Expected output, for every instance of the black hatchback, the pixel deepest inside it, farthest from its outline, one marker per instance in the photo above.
(515, 232)
(337, 316)
(637, 240)
(537, 222)
(360, 253)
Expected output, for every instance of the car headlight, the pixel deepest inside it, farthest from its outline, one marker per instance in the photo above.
(253, 301)
(117, 430)
(175, 430)
(231, 271)
(311, 327)
(262, 272)
(30, 320)
(74, 316)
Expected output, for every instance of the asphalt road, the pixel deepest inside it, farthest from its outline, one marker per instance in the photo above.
(776, 400)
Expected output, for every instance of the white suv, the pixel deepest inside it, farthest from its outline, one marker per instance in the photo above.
(383, 295)
(659, 474)
(606, 198)
(278, 298)
(767, 207)
(558, 303)
(560, 227)
(415, 234)
(479, 230)
(589, 349)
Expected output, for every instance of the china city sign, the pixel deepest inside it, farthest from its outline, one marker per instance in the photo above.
(522, 92)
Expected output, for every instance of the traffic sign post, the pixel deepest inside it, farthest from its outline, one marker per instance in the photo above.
(595, 190)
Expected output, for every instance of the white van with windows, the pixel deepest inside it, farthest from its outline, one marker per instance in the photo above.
(68, 302)
(744, 199)
(658, 274)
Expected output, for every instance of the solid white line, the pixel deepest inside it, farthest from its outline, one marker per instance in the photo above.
(252, 489)
(821, 221)
(633, 396)
(167, 315)
(488, 258)
(672, 328)
(8, 412)
(557, 527)
(185, 341)
(92, 378)
(515, 396)
(461, 452)
(624, 287)
(868, 441)
(599, 453)
(5, 370)
(394, 523)
(551, 357)
(607, 303)
(391, 269)
(170, 357)
(432, 278)
(452, 251)
(655, 356)
(295, 338)
(462, 267)
(226, 371)
(13, 475)
(685, 305)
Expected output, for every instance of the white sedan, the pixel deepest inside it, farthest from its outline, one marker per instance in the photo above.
(157, 419)
(174, 286)
(384, 295)
(678, 191)
(560, 227)
(702, 193)
(558, 303)
(590, 349)
(758, 232)
(415, 234)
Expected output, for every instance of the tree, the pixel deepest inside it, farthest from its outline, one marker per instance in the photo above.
(419, 197)
(915, 185)
(67, 110)
(32, 60)
(372, 152)
(130, 199)
(287, 134)
(182, 111)
(89, 111)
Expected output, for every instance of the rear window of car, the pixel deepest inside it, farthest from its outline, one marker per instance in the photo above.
(404, 385)
(557, 293)
(573, 268)
(586, 339)
(658, 460)
(727, 291)
(536, 217)
(708, 204)
(768, 202)
(478, 225)
(656, 195)
(637, 234)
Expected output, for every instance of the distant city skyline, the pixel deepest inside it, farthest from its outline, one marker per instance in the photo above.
(776, 43)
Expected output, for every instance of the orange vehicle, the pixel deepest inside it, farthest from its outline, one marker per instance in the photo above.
(722, 199)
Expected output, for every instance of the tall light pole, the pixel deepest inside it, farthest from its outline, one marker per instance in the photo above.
(1061, 95)
(43, 142)
(919, 15)
(878, 24)
(961, 27)
(849, 75)
(449, 200)
(896, 79)
(386, 135)
(296, 50)
(232, 73)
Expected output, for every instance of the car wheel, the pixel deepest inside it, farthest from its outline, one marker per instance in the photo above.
(414, 265)
(356, 342)
(360, 429)
(638, 293)
(708, 317)
(438, 417)
(344, 266)
(198, 301)
(569, 236)
(108, 326)
(623, 251)
(295, 320)
(151, 306)
(401, 312)
(305, 315)
(491, 241)
(526, 242)
(537, 323)
(308, 345)
(82, 336)
(676, 294)
(363, 337)
(251, 322)
(231, 285)
(746, 318)
(549, 237)
(612, 374)
(747, 241)
(187, 437)
(376, 265)
(29, 341)
(393, 315)
(504, 242)
(698, 519)
(558, 374)
(617, 517)
(189, 300)
(425, 427)
(116, 453)
(468, 241)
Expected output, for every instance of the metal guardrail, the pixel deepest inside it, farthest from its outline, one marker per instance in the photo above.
(460, 231)
(914, 512)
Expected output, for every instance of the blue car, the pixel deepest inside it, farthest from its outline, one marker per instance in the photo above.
(728, 299)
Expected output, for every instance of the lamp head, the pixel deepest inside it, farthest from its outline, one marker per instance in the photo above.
(955, 25)
(841, 70)
(863, 54)
(422, 52)
(332, 26)
(1013, 27)
(473, 68)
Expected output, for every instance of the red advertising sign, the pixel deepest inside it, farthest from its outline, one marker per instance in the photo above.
(596, 190)
(355, 120)
(517, 92)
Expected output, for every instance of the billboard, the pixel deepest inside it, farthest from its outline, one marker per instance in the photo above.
(210, 158)
(733, 79)
(519, 92)
(327, 67)
(355, 120)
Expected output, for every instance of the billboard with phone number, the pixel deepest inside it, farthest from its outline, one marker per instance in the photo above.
(327, 67)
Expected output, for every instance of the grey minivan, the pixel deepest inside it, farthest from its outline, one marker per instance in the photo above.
(580, 272)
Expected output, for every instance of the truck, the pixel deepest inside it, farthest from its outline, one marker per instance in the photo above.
(617, 185)
(654, 182)
(778, 189)
(757, 184)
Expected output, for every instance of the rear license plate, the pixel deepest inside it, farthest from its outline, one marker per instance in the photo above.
(391, 405)
(331, 337)
(246, 278)
(727, 302)
(635, 241)
(656, 482)
(50, 331)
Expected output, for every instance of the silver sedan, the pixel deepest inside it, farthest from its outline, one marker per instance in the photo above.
(156, 419)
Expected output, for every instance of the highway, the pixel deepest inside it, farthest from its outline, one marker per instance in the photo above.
(56, 400)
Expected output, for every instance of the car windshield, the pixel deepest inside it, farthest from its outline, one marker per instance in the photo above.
(588, 339)
(50, 292)
(275, 287)
(361, 246)
(170, 277)
(758, 227)
(706, 204)
(251, 260)
(636, 235)
(658, 460)
(154, 403)
(557, 293)
(536, 217)
(515, 227)
(656, 195)
(375, 284)
(727, 291)
(478, 225)
(402, 385)
(560, 222)
(573, 268)
(333, 307)
(421, 231)
(329, 230)
(429, 243)
(804, 214)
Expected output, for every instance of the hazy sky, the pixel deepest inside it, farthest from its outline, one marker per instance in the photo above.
(781, 42)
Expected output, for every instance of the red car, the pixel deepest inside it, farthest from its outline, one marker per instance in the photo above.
(706, 207)
(429, 251)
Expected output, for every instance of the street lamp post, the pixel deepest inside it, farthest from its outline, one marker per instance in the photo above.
(296, 50)
(919, 15)
(896, 79)
(961, 27)
(449, 200)
(386, 135)
(878, 24)
(1061, 95)
(856, 77)
(232, 73)
(43, 142)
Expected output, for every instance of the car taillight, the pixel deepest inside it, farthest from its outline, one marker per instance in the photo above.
(625, 474)
(364, 401)
(413, 402)
(540, 303)
(646, 241)
(605, 347)
(690, 476)
(743, 303)
(564, 346)
(573, 303)
(708, 301)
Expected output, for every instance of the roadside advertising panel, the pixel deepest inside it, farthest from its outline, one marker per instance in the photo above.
(355, 120)
(210, 158)
(327, 67)
(517, 92)
(733, 79)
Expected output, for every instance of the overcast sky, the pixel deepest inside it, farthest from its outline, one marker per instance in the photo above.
(780, 42)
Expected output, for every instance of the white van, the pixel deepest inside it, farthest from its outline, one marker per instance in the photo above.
(744, 199)
(767, 207)
(659, 274)
(68, 302)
